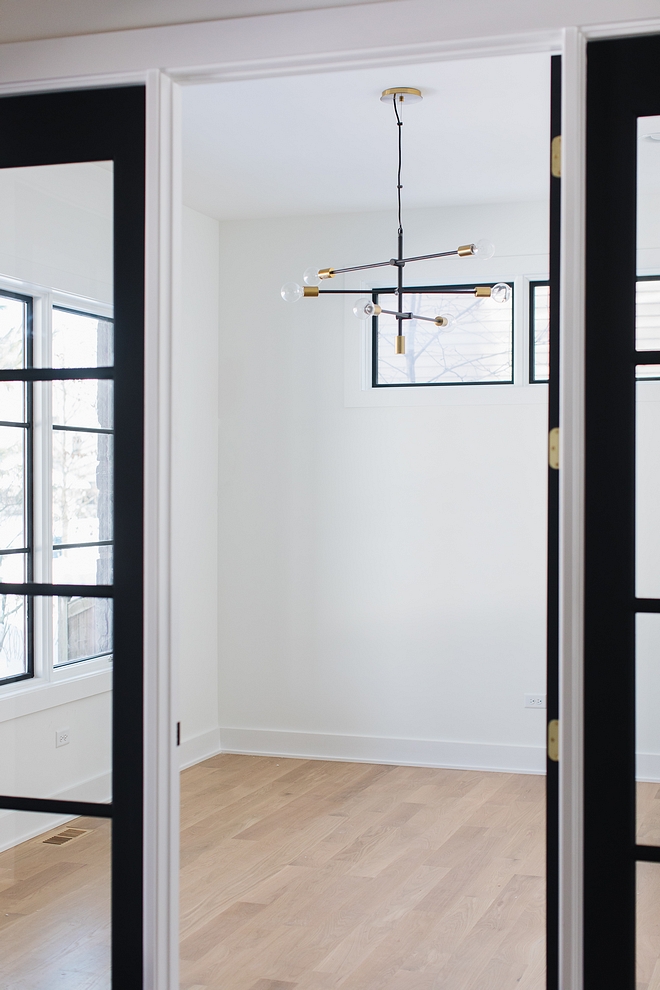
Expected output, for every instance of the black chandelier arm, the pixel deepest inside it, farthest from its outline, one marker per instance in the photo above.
(406, 292)
(462, 252)
(412, 316)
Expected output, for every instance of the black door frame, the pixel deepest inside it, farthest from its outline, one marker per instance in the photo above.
(100, 125)
(623, 83)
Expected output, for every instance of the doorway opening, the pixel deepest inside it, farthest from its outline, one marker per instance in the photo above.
(363, 566)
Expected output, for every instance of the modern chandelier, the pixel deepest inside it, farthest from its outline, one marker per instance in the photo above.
(365, 307)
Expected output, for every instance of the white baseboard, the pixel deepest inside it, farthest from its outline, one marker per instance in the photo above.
(19, 826)
(374, 749)
(648, 767)
(199, 748)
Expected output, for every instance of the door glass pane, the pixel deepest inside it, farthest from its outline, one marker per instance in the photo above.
(54, 902)
(540, 332)
(648, 926)
(59, 748)
(647, 673)
(56, 491)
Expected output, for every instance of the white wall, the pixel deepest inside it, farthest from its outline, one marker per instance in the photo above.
(195, 489)
(382, 567)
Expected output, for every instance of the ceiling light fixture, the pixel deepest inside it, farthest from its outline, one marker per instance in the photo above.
(365, 307)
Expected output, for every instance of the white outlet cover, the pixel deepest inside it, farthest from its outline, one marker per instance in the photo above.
(535, 701)
(62, 737)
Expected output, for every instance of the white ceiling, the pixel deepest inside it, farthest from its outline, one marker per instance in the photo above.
(326, 144)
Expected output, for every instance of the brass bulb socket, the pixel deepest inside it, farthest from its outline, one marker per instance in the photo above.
(441, 321)
(376, 310)
(326, 273)
(482, 291)
(310, 290)
(465, 250)
(399, 344)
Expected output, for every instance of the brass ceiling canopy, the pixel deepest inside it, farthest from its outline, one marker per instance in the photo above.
(404, 94)
(367, 308)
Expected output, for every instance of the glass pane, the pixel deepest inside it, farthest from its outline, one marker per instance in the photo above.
(13, 315)
(83, 565)
(12, 487)
(62, 750)
(12, 402)
(648, 926)
(81, 340)
(477, 346)
(647, 673)
(540, 317)
(648, 211)
(82, 487)
(647, 315)
(13, 638)
(82, 629)
(647, 432)
(13, 567)
(83, 403)
(55, 892)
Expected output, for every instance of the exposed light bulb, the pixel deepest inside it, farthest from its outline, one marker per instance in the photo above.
(364, 308)
(501, 292)
(483, 249)
(311, 276)
(291, 292)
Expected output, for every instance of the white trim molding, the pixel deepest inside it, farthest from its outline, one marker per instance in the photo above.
(378, 749)
(571, 509)
(199, 748)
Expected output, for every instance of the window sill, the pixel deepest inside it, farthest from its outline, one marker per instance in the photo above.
(37, 695)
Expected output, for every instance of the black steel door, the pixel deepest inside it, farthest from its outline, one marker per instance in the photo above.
(622, 596)
(105, 127)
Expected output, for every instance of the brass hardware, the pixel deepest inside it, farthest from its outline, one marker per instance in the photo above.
(310, 290)
(441, 321)
(465, 250)
(553, 448)
(553, 740)
(555, 157)
(376, 310)
(400, 344)
(402, 92)
(326, 273)
(482, 291)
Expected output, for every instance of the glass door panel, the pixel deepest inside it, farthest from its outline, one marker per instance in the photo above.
(55, 905)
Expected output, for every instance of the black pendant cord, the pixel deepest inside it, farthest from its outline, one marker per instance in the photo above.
(399, 187)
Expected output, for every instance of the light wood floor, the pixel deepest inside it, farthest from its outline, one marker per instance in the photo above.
(304, 875)
(313, 875)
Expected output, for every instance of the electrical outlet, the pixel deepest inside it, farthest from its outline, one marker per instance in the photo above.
(534, 701)
(62, 737)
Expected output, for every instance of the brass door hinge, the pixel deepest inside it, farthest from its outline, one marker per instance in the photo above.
(553, 448)
(553, 740)
(555, 157)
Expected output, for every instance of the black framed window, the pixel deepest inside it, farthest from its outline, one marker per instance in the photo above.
(16, 485)
(476, 348)
(539, 331)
